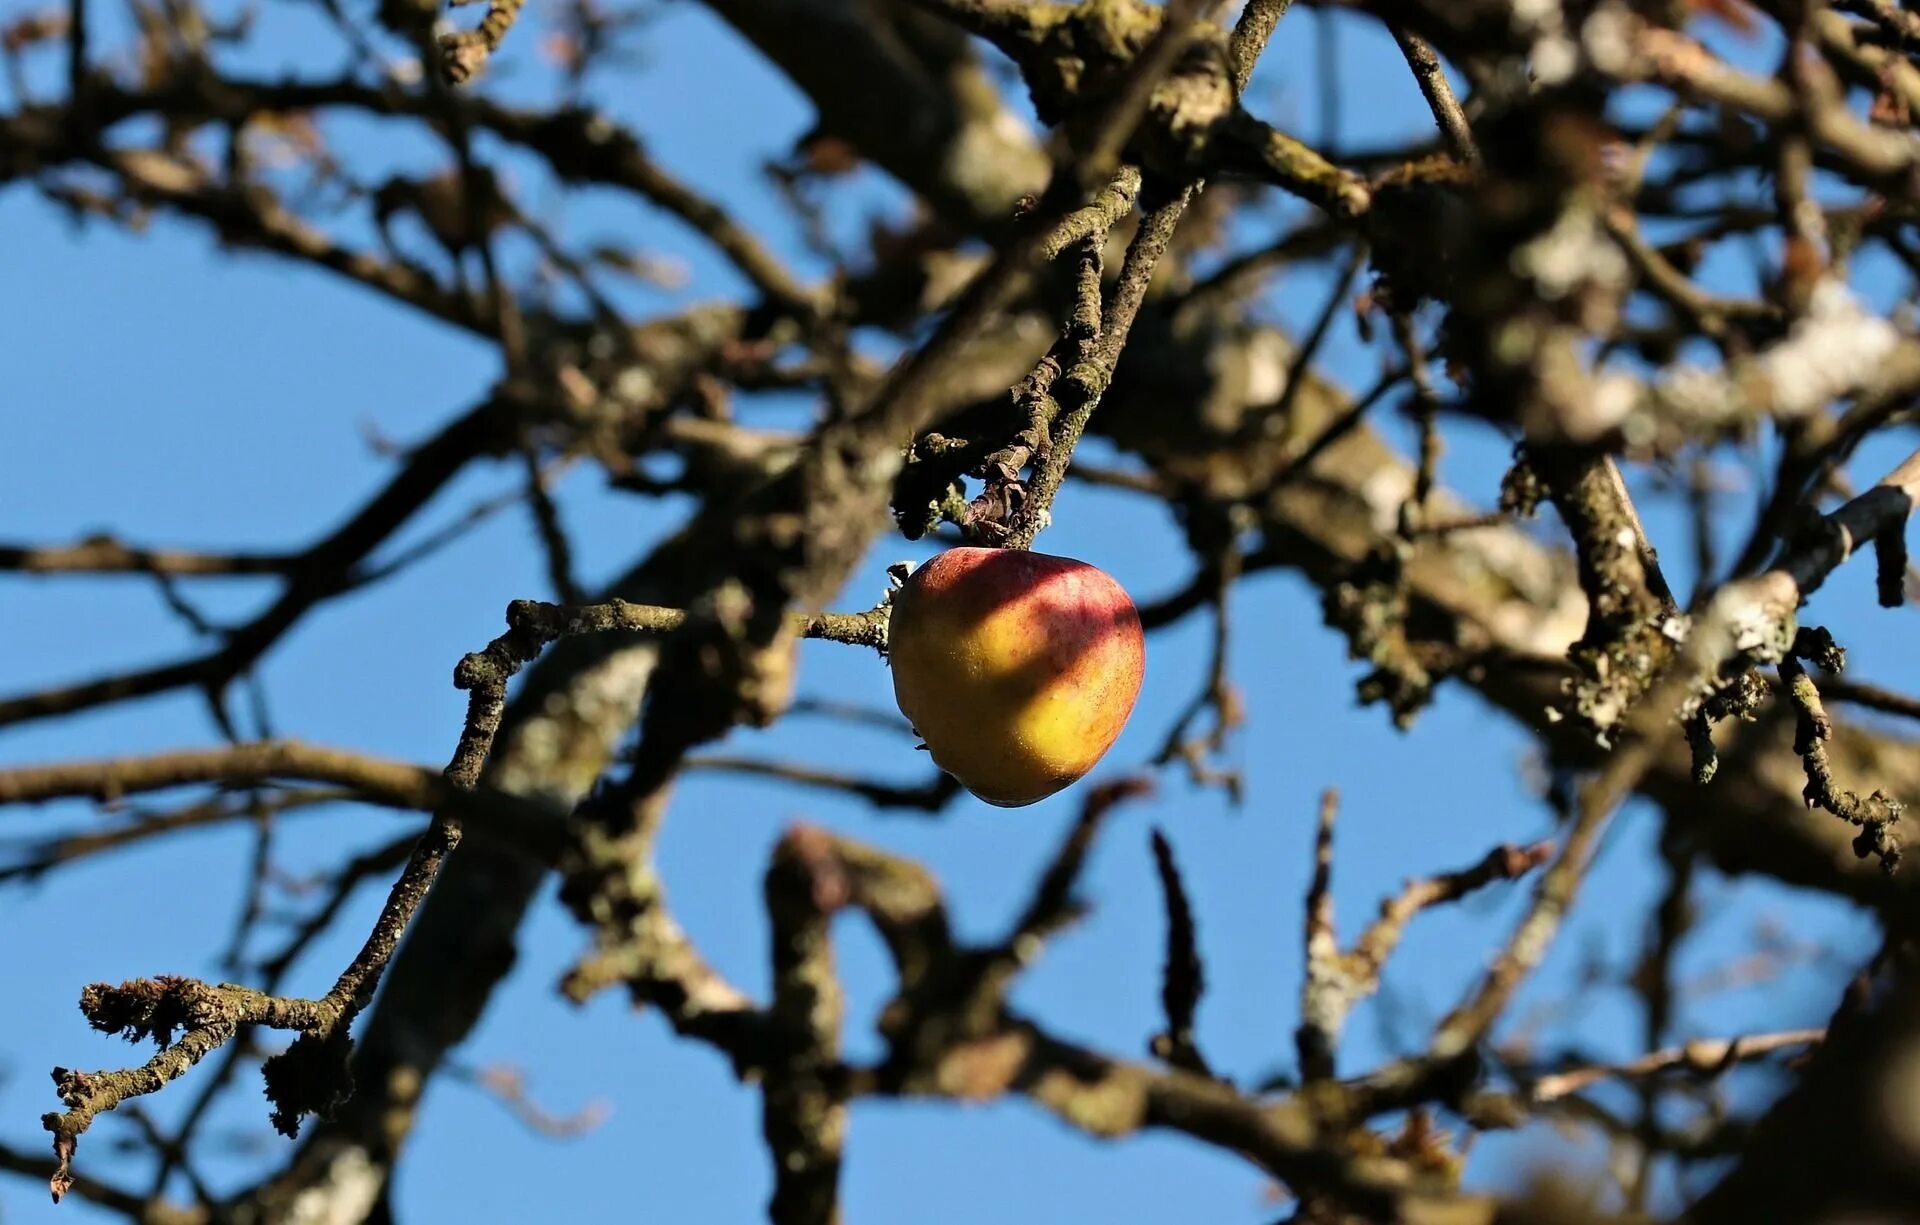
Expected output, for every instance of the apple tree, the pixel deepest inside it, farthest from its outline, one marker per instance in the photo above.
(1500, 468)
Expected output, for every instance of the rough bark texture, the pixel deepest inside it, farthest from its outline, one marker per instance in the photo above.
(1047, 291)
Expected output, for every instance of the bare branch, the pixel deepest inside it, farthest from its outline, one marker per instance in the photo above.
(1183, 978)
(1701, 1057)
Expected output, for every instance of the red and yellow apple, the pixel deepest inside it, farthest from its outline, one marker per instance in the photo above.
(1017, 669)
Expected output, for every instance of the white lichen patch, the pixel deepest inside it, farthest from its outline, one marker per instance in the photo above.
(1607, 37)
(1834, 349)
(555, 755)
(1576, 252)
(1269, 358)
(1386, 489)
(344, 1196)
(1554, 56)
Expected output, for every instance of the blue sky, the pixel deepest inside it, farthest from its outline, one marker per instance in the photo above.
(177, 395)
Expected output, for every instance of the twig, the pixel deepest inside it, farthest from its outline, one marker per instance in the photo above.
(259, 868)
(978, 1054)
(531, 625)
(1871, 697)
(1118, 122)
(1250, 35)
(1426, 408)
(597, 150)
(108, 1196)
(1336, 981)
(929, 797)
(546, 522)
(320, 573)
(1754, 615)
(1300, 367)
(52, 852)
(1319, 1027)
(1553, 897)
(1503, 863)
(78, 70)
(1340, 427)
(346, 880)
(507, 1085)
(106, 555)
(852, 712)
(375, 780)
(156, 1008)
(1183, 977)
(1438, 91)
(1701, 1057)
(1653, 980)
(1875, 814)
(1216, 691)
(1052, 905)
(1080, 388)
(804, 1117)
(310, 1075)
(464, 54)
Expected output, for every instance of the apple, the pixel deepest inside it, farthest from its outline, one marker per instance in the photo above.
(1017, 669)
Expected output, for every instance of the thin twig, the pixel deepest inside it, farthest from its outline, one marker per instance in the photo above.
(1438, 91)
(1702, 1057)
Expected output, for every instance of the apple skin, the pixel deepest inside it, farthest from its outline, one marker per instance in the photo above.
(1017, 669)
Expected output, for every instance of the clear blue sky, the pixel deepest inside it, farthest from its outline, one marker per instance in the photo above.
(164, 390)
